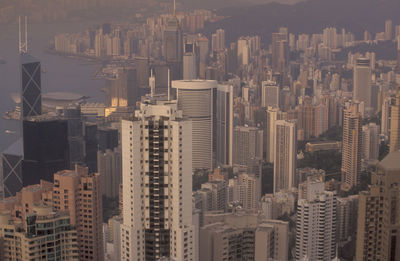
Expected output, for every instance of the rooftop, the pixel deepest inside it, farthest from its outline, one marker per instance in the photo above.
(391, 161)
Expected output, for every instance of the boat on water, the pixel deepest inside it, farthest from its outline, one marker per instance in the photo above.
(9, 132)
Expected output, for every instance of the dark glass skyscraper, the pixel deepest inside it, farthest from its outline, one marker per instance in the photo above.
(31, 97)
(46, 149)
(173, 48)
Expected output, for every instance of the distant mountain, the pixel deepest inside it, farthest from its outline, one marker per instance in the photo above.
(307, 17)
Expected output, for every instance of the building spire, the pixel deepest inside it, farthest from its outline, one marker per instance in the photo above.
(23, 39)
(174, 8)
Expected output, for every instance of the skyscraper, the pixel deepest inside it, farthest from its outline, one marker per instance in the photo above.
(285, 140)
(122, 88)
(395, 124)
(45, 148)
(273, 114)
(196, 99)
(190, 62)
(79, 192)
(316, 223)
(351, 151)
(362, 81)
(157, 185)
(269, 94)
(280, 51)
(224, 125)
(388, 30)
(218, 40)
(378, 226)
(370, 143)
(173, 47)
(31, 91)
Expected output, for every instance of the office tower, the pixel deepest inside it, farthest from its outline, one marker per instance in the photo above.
(378, 226)
(217, 195)
(76, 139)
(285, 140)
(362, 81)
(395, 124)
(305, 117)
(346, 218)
(43, 235)
(196, 99)
(11, 161)
(91, 146)
(121, 87)
(280, 51)
(243, 51)
(107, 138)
(273, 115)
(224, 125)
(157, 185)
(45, 147)
(160, 74)
(243, 237)
(316, 223)
(31, 92)
(190, 62)
(247, 145)
(218, 41)
(110, 170)
(173, 47)
(370, 143)
(246, 190)
(351, 147)
(388, 30)
(79, 192)
(269, 94)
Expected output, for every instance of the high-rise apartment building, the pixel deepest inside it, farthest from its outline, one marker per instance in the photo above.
(395, 124)
(346, 218)
(217, 199)
(242, 236)
(224, 126)
(247, 145)
(246, 190)
(269, 94)
(79, 193)
(31, 92)
(370, 143)
(316, 223)
(157, 185)
(218, 40)
(362, 81)
(351, 147)
(285, 141)
(196, 99)
(273, 115)
(43, 235)
(109, 165)
(378, 226)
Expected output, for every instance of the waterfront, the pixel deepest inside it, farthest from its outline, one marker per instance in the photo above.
(62, 74)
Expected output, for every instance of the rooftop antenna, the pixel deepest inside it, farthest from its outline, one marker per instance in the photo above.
(23, 43)
(174, 7)
(169, 84)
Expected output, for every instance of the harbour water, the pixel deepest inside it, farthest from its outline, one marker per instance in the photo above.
(61, 74)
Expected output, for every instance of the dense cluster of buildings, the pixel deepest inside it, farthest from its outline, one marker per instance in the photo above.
(235, 117)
